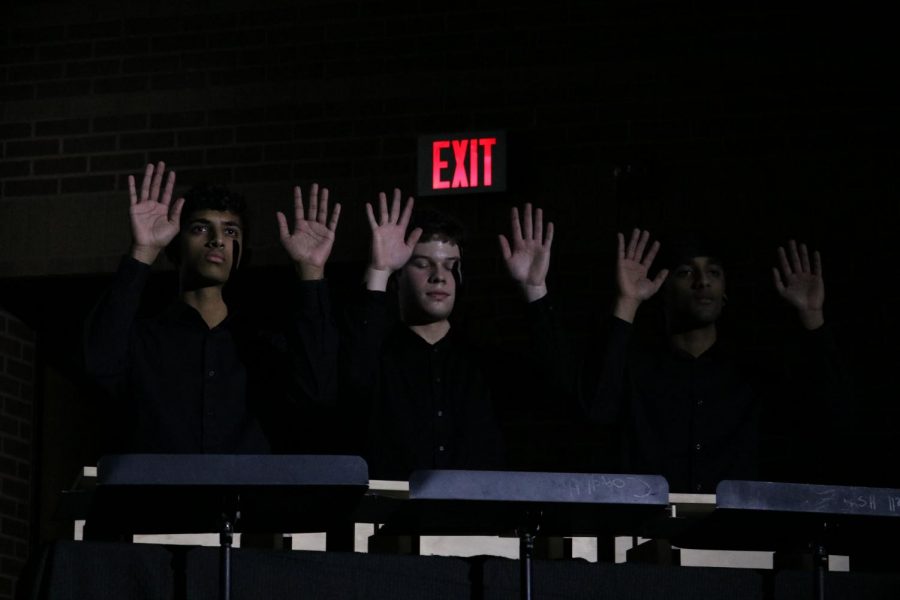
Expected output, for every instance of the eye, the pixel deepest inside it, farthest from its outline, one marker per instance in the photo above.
(232, 232)
(717, 273)
(450, 265)
(199, 228)
(420, 263)
(683, 272)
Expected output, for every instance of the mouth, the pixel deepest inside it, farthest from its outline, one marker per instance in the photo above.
(438, 295)
(215, 257)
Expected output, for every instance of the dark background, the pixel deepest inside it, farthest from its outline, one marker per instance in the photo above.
(761, 122)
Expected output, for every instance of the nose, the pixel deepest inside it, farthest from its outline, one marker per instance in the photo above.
(701, 279)
(215, 238)
(438, 274)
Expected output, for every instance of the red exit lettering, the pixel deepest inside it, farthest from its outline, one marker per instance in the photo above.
(466, 173)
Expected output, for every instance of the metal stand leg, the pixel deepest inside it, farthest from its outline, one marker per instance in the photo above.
(820, 565)
(226, 537)
(527, 533)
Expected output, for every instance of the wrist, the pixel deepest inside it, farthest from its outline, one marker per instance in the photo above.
(377, 279)
(626, 308)
(309, 272)
(144, 254)
(812, 318)
(534, 292)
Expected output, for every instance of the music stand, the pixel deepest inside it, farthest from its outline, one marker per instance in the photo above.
(526, 504)
(761, 515)
(196, 493)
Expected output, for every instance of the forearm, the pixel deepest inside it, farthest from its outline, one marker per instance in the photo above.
(107, 329)
(313, 344)
(603, 378)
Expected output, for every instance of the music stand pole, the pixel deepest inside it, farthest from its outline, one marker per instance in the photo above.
(226, 536)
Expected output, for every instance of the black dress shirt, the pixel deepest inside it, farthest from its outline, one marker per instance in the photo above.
(696, 421)
(174, 385)
(430, 406)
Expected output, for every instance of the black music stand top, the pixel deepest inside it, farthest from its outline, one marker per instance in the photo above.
(464, 502)
(190, 493)
(766, 515)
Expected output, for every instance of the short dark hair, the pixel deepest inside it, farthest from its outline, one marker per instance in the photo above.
(437, 225)
(208, 197)
(680, 247)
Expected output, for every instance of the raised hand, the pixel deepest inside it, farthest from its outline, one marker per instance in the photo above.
(154, 217)
(799, 281)
(310, 244)
(391, 246)
(528, 257)
(632, 266)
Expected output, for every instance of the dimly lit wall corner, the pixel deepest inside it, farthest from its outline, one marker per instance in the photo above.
(16, 430)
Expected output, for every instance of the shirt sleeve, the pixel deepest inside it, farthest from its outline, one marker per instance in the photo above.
(603, 377)
(364, 331)
(313, 344)
(108, 328)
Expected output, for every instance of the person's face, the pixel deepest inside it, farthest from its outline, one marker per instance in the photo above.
(694, 292)
(426, 284)
(208, 246)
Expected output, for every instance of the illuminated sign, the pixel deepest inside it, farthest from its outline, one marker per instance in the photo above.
(462, 163)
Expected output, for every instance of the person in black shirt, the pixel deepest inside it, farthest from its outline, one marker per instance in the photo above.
(201, 377)
(428, 391)
(689, 405)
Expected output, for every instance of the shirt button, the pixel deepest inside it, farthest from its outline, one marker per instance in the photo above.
(437, 379)
(212, 373)
(440, 448)
(699, 488)
(440, 413)
(699, 402)
(698, 447)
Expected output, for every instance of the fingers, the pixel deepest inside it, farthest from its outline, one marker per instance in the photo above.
(637, 246)
(804, 258)
(395, 207)
(407, 210)
(145, 183)
(527, 224)
(817, 264)
(504, 246)
(659, 279)
(776, 277)
(132, 191)
(175, 211)
(794, 256)
(157, 181)
(548, 239)
(383, 210)
(170, 185)
(312, 212)
(651, 255)
(783, 262)
(641, 246)
(370, 213)
(298, 205)
(413, 238)
(632, 243)
(322, 215)
(516, 226)
(538, 232)
(335, 215)
(283, 231)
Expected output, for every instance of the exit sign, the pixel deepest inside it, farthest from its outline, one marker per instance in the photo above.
(462, 163)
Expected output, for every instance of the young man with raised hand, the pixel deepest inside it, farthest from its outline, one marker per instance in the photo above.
(429, 394)
(201, 377)
(689, 403)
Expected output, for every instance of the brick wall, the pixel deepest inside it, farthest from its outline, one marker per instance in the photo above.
(16, 420)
